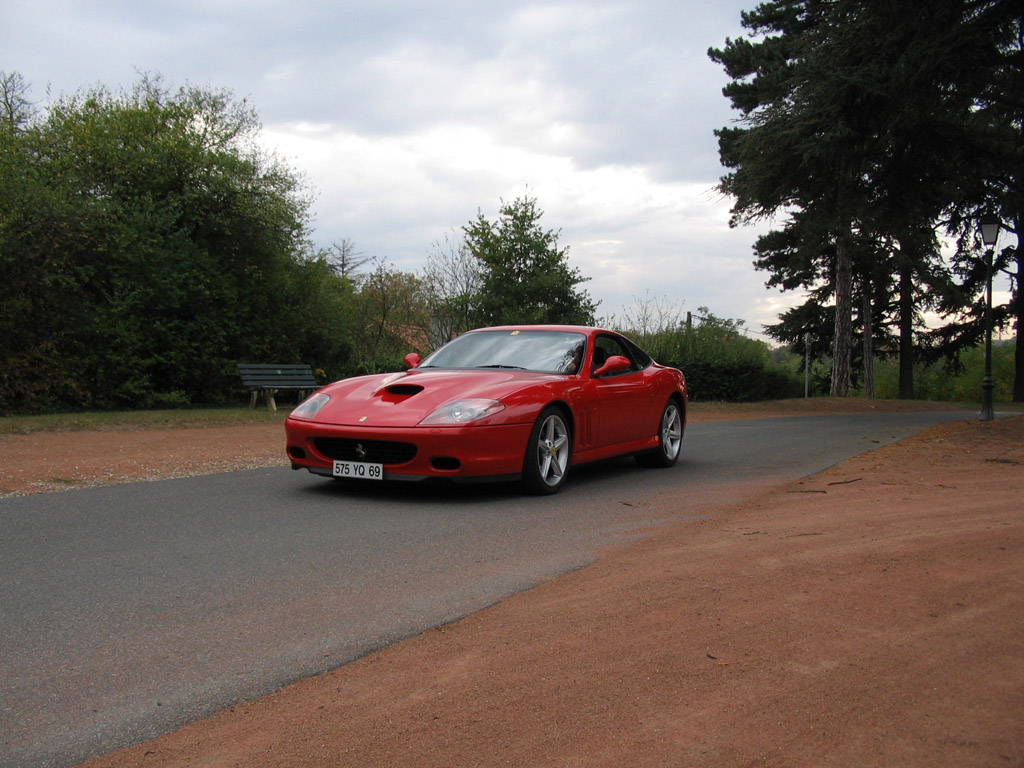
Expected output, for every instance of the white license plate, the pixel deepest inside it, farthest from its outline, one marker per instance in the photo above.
(361, 470)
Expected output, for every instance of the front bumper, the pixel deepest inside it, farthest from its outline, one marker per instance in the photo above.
(456, 453)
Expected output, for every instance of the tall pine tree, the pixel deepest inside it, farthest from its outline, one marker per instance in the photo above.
(854, 117)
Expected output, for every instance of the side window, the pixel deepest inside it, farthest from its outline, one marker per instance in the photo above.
(640, 358)
(606, 346)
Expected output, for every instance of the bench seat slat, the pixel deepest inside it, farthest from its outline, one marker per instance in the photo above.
(268, 378)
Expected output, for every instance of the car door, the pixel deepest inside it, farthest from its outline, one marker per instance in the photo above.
(622, 404)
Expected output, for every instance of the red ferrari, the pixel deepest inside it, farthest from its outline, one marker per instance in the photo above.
(519, 403)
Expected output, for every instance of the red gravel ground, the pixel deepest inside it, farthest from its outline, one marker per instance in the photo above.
(872, 615)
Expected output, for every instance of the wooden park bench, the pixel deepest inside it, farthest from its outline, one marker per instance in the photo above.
(269, 379)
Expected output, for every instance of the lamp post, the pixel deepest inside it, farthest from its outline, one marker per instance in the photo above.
(807, 365)
(989, 226)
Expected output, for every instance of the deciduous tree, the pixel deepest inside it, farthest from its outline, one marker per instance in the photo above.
(147, 245)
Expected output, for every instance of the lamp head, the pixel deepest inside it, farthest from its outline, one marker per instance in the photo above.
(989, 226)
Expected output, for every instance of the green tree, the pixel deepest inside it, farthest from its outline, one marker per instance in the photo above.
(322, 331)
(393, 319)
(803, 148)
(991, 182)
(524, 276)
(149, 244)
(854, 117)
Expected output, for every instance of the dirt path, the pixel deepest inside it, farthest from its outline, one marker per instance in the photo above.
(872, 615)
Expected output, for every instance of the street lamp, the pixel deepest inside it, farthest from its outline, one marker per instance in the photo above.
(989, 226)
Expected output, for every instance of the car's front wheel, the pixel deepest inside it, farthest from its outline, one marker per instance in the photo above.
(546, 463)
(670, 439)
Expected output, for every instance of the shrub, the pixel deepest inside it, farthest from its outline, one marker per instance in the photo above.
(719, 361)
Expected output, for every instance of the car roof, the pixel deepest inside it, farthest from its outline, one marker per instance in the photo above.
(585, 329)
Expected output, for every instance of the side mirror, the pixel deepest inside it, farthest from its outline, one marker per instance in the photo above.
(614, 364)
(412, 360)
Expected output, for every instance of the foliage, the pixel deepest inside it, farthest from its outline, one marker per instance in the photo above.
(393, 320)
(961, 383)
(865, 129)
(147, 246)
(719, 361)
(524, 275)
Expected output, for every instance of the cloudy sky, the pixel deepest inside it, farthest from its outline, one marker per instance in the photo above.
(407, 118)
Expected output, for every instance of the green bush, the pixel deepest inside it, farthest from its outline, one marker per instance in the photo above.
(938, 381)
(720, 363)
(146, 247)
(740, 382)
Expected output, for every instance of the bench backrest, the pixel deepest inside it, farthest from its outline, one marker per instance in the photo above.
(274, 376)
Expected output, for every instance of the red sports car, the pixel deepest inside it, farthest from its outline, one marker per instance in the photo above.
(509, 403)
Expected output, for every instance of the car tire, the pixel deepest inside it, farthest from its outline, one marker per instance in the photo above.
(546, 464)
(670, 439)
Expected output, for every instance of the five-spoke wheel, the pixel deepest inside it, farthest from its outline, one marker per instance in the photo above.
(546, 463)
(670, 439)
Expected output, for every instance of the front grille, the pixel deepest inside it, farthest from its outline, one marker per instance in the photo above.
(375, 451)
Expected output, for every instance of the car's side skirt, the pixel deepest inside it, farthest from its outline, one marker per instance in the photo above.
(610, 451)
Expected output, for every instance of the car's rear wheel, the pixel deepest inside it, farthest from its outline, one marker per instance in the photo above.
(670, 438)
(546, 463)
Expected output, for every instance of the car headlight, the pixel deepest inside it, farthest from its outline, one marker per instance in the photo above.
(464, 411)
(311, 406)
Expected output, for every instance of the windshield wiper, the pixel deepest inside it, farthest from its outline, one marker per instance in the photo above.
(509, 367)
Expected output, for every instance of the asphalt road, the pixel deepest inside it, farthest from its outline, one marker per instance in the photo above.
(130, 610)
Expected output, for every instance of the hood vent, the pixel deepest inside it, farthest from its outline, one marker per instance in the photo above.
(404, 390)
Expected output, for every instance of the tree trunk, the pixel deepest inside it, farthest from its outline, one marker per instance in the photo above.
(867, 322)
(843, 341)
(1018, 360)
(906, 330)
(1018, 316)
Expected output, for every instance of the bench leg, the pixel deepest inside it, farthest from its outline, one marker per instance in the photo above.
(252, 400)
(271, 405)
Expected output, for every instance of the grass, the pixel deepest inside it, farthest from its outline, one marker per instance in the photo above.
(240, 416)
(133, 420)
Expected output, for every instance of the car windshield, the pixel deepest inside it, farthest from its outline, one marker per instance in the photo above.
(543, 351)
